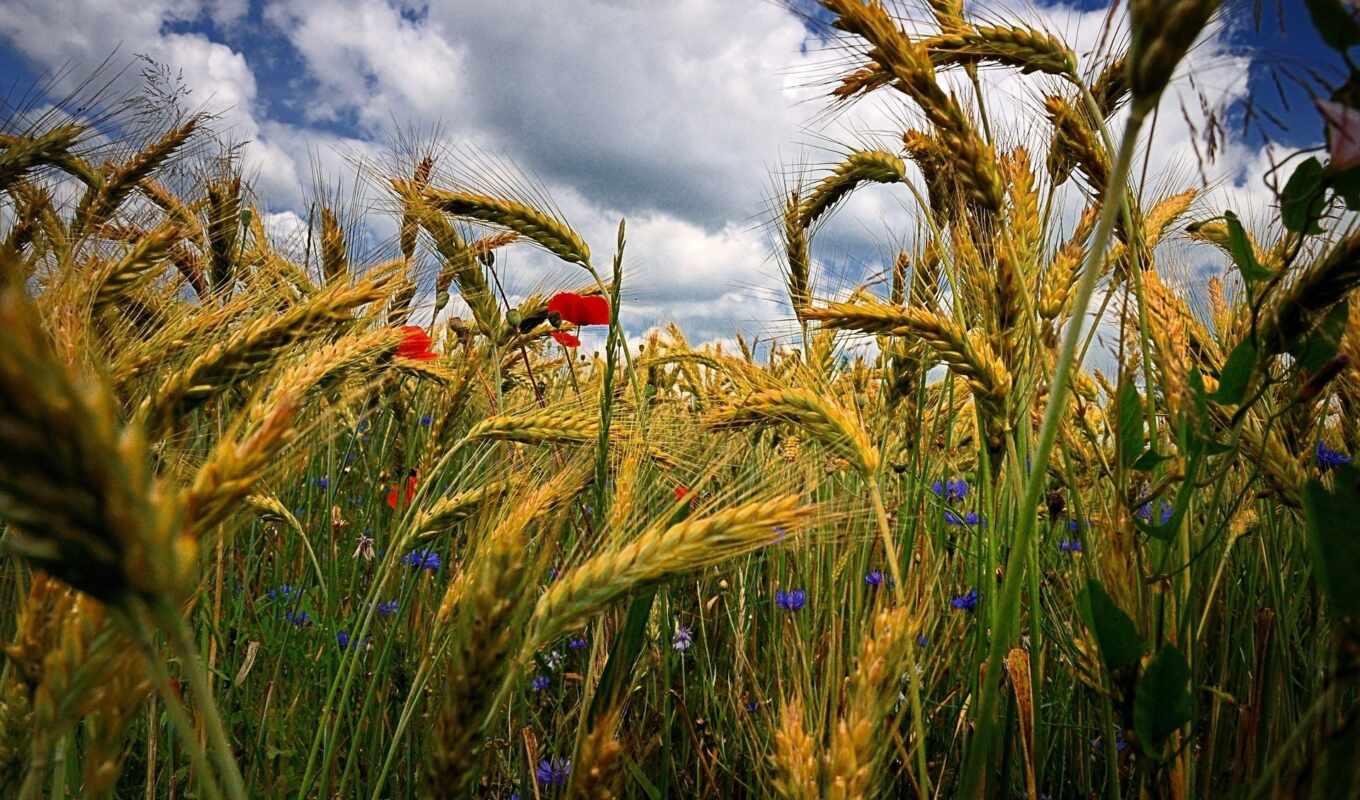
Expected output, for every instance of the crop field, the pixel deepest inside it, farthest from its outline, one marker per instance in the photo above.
(1025, 515)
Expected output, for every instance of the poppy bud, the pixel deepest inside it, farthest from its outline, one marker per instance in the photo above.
(532, 321)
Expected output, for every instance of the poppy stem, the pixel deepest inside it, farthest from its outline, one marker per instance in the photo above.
(523, 352)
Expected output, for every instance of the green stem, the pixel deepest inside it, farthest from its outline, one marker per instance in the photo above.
(170, 621)
(914, 692)
(174, 707)
(977, 757)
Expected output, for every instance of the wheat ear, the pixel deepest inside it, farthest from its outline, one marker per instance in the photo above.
(537, 226)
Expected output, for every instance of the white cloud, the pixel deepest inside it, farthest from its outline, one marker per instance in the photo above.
(674, 115)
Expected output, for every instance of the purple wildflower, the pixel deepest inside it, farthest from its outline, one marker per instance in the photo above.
(966, 602)
(389, 608)
(922, 640)
(422, 559)
(426, 421)
(540, 682)
(792, 600)
(299, 618)
(323, 483)
(684, 638)
(1164, 513)
(553, 772)
(874, 578)
(577, 643)
(953, 518)
(1070, 545)
(1327, 458)
(342, 639)
(951, 490)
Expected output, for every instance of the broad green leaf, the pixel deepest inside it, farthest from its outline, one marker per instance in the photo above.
(1162, 702)
(1149, 460)
(1130, 409)
(1347, 184)
(1120, 644)
(1334, 24)
(1237, 371)
(1243, 255)
(1303, 198)
(1332, 541)
(1320, 344)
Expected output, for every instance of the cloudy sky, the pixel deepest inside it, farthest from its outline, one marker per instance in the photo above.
(681, 115)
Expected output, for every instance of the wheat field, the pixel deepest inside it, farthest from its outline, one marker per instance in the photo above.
(287, 521)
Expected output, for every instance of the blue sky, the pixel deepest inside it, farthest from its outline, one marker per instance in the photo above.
(681, 116)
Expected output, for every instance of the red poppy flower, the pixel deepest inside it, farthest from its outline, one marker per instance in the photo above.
(393, 495)
(680, 492)
(565, 339)
(580, 309)
(415, 344)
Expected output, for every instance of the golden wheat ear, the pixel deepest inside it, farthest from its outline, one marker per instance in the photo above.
(74, 484)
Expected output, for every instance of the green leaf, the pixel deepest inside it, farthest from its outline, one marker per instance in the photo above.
(1320, 344)
(1347, 184)
(1149, 460)
(1120, 644)
(1302, 200)
(1130, 409)
(1237, 371)
(1162, 702)
(1332, 543)
(1243, 254)
(1336, 27)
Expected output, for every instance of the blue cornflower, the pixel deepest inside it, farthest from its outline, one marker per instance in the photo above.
(299, 618)
(540, 682)
(922, 640)
(282, 592)
(1164, 513)
(966, 602)
(389, 608)
(874, 578)
(1327, 458)
(426, 421)
(342, 639)
(950, 490)
(684, 638)
(422, 559)
(752, 706)
(1070, 545)
(1076, 526)
(971, 518)
(553, 772)
(792, 600)
(323, 483)
(1119, 743)
(577, 643)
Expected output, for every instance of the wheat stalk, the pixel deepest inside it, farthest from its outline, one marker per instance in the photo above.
(794, 757)
(660, 553)
(822, 419)
(537, 226)
(859, 166)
